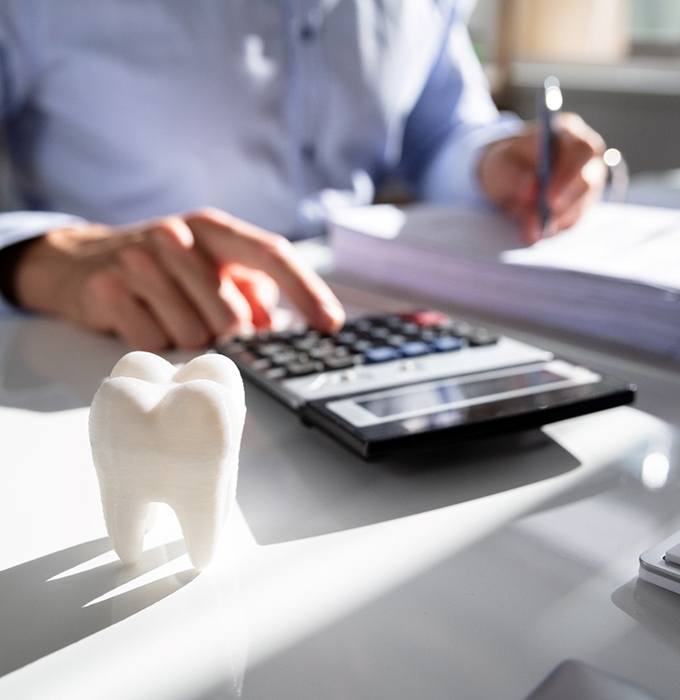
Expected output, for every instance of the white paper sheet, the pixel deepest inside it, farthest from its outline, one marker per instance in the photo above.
(616, 275)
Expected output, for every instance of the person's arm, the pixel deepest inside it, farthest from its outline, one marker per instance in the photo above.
(18, 232)
(177, 281)
(458, 149)
(17, 228)
(452, 122)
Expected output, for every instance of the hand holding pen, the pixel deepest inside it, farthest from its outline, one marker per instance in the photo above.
(548, 175)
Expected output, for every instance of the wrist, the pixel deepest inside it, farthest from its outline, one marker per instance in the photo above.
(40, 274)
(11, 259)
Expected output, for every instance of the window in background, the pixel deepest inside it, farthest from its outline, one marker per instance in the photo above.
(565, 30)
(604, 31)
(655, 27)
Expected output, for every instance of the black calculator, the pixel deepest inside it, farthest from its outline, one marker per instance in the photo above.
(419, 379)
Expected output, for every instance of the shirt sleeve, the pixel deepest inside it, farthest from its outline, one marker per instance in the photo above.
(15, 82)
(451, 123)
(19, 226)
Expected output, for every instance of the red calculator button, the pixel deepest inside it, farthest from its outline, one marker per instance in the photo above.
(426, 318)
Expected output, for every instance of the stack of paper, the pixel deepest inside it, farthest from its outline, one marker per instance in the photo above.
(615, 275)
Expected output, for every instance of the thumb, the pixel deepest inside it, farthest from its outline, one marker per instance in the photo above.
(508, 172)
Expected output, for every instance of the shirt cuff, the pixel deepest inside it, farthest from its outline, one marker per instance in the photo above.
(19, 226)
(453, 175)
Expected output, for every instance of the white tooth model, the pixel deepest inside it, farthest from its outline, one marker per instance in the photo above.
(167, 435)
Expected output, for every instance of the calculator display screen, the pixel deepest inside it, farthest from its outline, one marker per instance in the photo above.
(445, 393)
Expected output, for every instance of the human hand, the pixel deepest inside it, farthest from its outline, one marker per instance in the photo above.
(508, 174)
(176, 281)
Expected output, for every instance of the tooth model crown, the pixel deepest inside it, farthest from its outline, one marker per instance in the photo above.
(159, 434)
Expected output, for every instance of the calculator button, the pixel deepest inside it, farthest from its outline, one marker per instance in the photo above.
(412, 329)
(323, 351)
(275, 373)
(396, 341)
(362, 345)
(342, 362)
(447, 344)
(481, 336)
(426, 318)
(393, 321)
(305, 343)
(363, 325)
(428, 335)
(380, 333)
(269, 349)
(260, 364)
(460, 328)
(285, 357)
(415, 348)
(383, 353)
(299, 369)
(347, 337)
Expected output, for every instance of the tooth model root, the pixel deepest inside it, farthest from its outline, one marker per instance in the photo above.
(126, 523)
(173, 436)
(200, 532)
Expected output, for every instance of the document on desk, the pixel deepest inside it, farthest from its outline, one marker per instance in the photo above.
(615, 275)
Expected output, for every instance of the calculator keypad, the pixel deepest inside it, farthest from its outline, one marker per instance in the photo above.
(369, 340)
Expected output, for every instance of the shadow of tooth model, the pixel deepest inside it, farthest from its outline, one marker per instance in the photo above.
(41, 612)
(297, 482)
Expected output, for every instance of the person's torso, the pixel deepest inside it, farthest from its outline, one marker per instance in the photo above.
(142, 108)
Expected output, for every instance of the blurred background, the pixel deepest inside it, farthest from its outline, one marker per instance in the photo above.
(619, 66)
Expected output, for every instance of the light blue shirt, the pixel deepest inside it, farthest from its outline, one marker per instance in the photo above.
(273, 110)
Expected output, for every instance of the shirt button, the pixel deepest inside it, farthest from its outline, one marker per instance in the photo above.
(307, 32)
(308, 151)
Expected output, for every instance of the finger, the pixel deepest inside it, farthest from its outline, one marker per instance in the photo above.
(508, 171)
(260, 290)
(149, 282)
(574, 192)
(196, 275)
(572, 157)
(530, 225)
(581, 198)
(572, 214)
(238, 305)
(230, 240)
(112, 306)
(576, 144)
(590, 182)
(577, 207)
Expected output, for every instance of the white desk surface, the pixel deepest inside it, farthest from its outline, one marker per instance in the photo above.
(466, 576)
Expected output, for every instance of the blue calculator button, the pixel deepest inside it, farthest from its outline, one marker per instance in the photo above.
(447, 344)
(415, 348)
(382, 353)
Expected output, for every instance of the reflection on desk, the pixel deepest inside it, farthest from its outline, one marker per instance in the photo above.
(470, 573)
